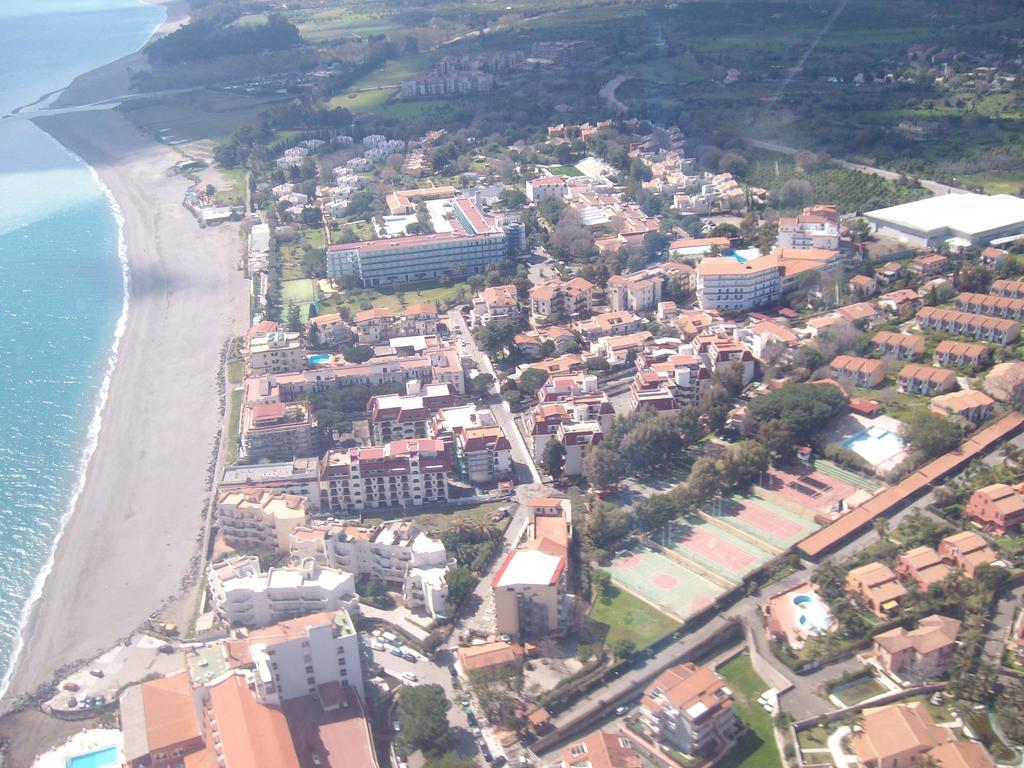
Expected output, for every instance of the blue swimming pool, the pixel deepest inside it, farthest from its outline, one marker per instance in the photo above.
(101, 758)
(319, 359)
(874, 444)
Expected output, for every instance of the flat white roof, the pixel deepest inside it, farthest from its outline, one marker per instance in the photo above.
(965, 213)
(529, 566)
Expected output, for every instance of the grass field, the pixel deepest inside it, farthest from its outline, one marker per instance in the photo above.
(196, 115)
(364, 101)
(442, 517)
(357, 300)
(298, 292)
(756, 749)
(620, 616)
(231, 452)
(565, 170)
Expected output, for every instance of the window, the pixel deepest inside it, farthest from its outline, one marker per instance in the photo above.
(578, 749)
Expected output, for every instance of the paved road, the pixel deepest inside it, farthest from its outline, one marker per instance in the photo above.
(935, 187)
(1000, 625)
(607, 93)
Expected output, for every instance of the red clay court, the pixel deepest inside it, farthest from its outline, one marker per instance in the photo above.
(712, 546)
(815, 491)
(768, 522)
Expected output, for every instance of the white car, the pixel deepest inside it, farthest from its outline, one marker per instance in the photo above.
(410, 676)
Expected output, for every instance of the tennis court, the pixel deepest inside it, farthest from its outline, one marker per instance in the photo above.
(815, 491)
(770, 522)
(668, 586)
(299, 293)
(716, 549)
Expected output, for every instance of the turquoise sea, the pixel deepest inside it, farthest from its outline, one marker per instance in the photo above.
(62, 287)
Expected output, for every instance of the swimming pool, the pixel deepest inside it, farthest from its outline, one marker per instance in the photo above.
(812, 615)
(876, 444)
(743, 255)
(319, 359)
(101, 758)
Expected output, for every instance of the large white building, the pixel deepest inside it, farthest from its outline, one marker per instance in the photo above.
(245, 596)
(816, 227)
(295, 657)
(480, 450)
(727, 283)
(255, 518)
(962, 220)
(397, 552)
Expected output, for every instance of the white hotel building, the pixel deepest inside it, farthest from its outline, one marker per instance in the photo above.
(245, 596)
(396, 552)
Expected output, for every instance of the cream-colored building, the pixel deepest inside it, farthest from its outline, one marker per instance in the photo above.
(245, 596)
(276, 352)
(255, 518)
(397, 552)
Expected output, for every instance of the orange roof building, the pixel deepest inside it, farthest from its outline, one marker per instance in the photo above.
(876, 586)
(998, 508)
(966, 550)
(922, 653)
(602, 750)
(690, 709)
(160, 717)
(890, 737)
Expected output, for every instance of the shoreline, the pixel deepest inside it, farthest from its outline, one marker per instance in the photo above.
(81, 603)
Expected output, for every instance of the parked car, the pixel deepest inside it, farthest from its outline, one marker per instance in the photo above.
(397, 652)
(96, 672)
(410, 676)
(409, 656)
(470, 717)
(70, 686)
(396, 725)
(166, 648)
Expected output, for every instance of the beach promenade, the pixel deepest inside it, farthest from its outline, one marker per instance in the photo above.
(136, 526)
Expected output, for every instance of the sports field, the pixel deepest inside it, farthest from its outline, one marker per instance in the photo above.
(298, 292)
(673, 589)
(770, 522)
(714, 548)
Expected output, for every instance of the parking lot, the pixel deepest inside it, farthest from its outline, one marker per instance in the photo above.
(102, 679)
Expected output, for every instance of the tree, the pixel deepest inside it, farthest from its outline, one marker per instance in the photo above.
(793, 194)
(623, 648)
(495, 336)
(480, 385)
(600, 580)
(294, 318)
(531, 380)
(423, 711)
(706, 479)
(804, 408)
(449, 760)
(657, 510)
(930, 434)
(357, 354)
(745, 461)
(513, 199)
(552, 460)
(653, 245)
(461, 583)
(602, 467)
(777, 437)
(730, 377)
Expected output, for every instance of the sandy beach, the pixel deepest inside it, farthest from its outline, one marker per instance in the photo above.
(138, 521)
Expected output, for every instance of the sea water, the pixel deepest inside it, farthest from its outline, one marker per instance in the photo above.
(63, 290)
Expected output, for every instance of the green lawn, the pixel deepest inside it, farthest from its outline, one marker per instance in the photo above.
(756, 749)
(231, 456)
(813, 738)
(565, 170)
(438, 518)
(364, 101)
(624, 617)
(438, 295)
(236, 371)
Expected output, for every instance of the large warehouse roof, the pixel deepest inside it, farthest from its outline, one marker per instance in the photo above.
(964, 213)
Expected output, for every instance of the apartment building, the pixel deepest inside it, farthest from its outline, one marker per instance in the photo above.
(570, 299)
(1012, 288)
(416, 258)
(971, 404)
(576, 438)
(690, 708)
(996, 330)
(857, 371)
(499, 302)
(403, 473)
(330, 331)
(373, 326)
(277, 431)
(993, 306)
(255, 518)
(275, 352)
(902, 346)
(601, 750)
(479, 449)
(531, 597)
(638, 292)
(901, 303)
(923, 653)
(245, 596)
(532, 343)
(619, 351)
(966, 551)
(998, 508)
(920, 379)
(299, 477)
(609, 324)
(668, 383)
(397, 552)
(816, 227)
(876, 587)
(436, 365)
(723, 283)
(863, 286)
(294, 658)
(924, 565)
(547, 188)
(723, 350)
(965, 353)
(408, 416)
(929, 264)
